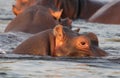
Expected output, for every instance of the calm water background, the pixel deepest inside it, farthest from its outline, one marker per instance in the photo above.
(16, 66)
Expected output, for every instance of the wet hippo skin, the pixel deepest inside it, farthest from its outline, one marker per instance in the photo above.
(34, 16)
(61, 41)
(37, 18)
(108, 14)
(80, 8)
(33, 20)
(71, 8)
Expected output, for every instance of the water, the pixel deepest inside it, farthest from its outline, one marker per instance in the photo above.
(16, 66)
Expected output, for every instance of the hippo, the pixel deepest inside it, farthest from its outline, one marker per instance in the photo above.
(61, 42)
(22, 5)
(34, 16)
(71, 8)
(108, 14)
(83, 9)
(36, 19)
(33, 20)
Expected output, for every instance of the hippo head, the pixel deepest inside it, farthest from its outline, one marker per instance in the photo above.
(21, 5)
(69, 43)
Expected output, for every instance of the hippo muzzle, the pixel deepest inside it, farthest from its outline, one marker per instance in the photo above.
(91, 51)
(85, 45)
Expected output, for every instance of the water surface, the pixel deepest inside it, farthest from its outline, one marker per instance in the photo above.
(16, 66)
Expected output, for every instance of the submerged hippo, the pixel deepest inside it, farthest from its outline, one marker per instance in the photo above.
(37, 18)
(61, 41)
(33, 20)
(71, 8)
(108, 14)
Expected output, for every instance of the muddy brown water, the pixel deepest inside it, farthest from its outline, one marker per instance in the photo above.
(17, 66)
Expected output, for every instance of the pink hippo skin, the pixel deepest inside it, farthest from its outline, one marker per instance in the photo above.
(108, 14)
(61, 41)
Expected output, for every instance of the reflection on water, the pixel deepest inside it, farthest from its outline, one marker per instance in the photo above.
(55, 69)
(114, 40)
(17, 66)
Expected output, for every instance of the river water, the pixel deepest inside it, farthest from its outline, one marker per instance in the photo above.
(17, 66)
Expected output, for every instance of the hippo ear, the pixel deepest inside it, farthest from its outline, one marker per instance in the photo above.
(59, 35)
(56, 14)
(15, 10)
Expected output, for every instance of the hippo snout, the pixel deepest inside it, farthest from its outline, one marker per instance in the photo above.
(87, 46)
(96, 51)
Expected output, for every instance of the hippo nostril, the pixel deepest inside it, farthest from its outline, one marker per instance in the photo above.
(13, 6)
(82, 43)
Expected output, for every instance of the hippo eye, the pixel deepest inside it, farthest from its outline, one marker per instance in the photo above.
(82, 43)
